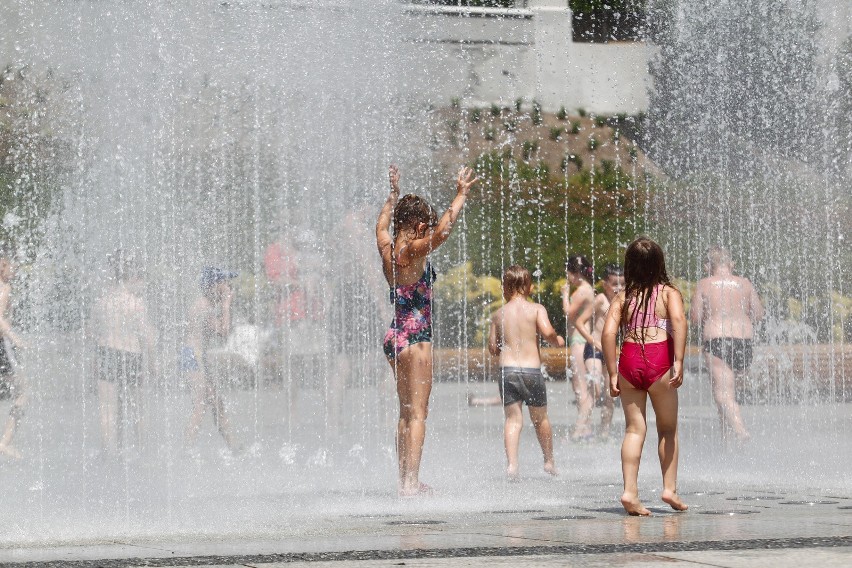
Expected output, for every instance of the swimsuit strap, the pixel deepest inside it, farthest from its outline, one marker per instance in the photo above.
(648, 318)
(429, 276)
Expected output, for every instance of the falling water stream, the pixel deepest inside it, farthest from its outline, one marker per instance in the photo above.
(201, 133)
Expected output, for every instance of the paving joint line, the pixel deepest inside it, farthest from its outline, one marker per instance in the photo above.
(462, 552)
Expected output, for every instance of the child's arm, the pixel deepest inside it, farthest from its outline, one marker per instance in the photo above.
(383, 237)
(580, 324)
(608, 342)
(574, 305)
(419, 248)
(677, 315)
(545, 330)
(494, 335)
(5, 326)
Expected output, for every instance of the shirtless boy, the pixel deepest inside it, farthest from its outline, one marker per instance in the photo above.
(613, 284)
(9, 340)
(514, 337)
(726, 307)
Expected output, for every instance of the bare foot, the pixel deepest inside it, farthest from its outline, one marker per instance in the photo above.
(421, 489)
(673, 499)
(10, 452)
(633, 506)
(512, 473)
(550, 468)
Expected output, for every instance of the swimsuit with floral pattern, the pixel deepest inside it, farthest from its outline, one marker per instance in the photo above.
(412, 322)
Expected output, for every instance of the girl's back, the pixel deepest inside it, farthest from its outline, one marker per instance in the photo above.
(648, 322)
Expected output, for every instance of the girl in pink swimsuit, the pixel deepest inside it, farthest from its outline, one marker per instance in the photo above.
(650, 316)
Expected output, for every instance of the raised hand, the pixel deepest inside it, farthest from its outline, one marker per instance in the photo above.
(465, 180)
(393, 177)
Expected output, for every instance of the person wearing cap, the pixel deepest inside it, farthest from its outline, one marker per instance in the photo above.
(208, 327)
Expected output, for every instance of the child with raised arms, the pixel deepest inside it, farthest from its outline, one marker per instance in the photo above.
(650, 315)
(417, 232)
(514, 337)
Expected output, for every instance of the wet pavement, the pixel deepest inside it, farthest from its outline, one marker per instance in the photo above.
(783, 499)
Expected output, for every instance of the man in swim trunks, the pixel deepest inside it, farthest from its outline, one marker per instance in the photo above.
(514, 337)
(726, 307)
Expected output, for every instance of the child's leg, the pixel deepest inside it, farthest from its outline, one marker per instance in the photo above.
(220, 418)
(594, 367)
(198, 391)
(402, 392)
(633, 401)
(665, 401)
(16, 412)
(585, 404)
(723, 381)
(108, 407)
(512, 436)
(414, 366)
(541, 422)
(594, 378)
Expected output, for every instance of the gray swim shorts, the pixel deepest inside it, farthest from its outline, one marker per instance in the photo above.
(522, 384)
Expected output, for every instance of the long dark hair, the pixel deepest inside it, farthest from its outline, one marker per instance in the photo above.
(579, 264)
(644, 269)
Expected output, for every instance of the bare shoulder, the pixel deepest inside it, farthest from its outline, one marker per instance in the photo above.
(670, 291)
(601, 302)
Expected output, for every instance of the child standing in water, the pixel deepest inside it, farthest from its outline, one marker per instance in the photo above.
(613, 284)
(209, 326)
(726, 307)
(651, 317)
(514, 337)
(578, 306)
(124, 340)
(9, 370)
(417, 231)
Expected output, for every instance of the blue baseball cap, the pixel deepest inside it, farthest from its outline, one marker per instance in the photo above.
(211, 276)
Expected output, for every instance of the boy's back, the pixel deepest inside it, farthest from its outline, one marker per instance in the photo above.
(519, 324)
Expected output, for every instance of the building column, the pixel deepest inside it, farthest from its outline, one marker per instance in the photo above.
(553, 50)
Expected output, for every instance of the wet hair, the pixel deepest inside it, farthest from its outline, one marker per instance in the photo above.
(717, 256)
(124, 265)
(410, 211)
(612, 270)
(644, 269)
(579, 264)
(516, 279)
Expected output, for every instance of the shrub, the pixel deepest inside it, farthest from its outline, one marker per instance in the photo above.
(455, 102)
(519, 103)
(489, 133)
(510, 125)
(495, 110)
(537, 118)
(582, 112)
(528, 148)
(575, 127)
(572, 159)
(476, 115)
(594, 144)
(562, 114)
(556, 132)
(600, 121)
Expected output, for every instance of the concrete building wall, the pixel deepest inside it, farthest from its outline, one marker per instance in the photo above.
(485, 56)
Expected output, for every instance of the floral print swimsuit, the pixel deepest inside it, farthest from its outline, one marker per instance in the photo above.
(412, 321)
